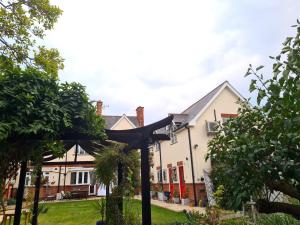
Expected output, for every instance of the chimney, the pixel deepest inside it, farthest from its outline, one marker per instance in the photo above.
(140, 116)
(99, 107)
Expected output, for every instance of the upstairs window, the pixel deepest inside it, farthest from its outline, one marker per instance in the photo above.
(173, 138)
(157, 146)
(81, 151)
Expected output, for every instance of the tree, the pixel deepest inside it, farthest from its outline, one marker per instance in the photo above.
(36, 113)
(106, 168)
(258, 152)
(22, 23)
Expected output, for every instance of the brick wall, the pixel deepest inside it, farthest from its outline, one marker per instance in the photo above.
(200, 189)
(52, 190)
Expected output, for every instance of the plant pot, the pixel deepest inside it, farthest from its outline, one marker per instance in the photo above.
(185, 201)
(152, 193)
(176, 200)
(100, 223)
(161, 196)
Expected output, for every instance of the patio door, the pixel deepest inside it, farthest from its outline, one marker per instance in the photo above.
(181, 182)
(92, 186)
(92, 190)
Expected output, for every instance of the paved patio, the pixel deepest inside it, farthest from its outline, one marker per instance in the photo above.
(174, 207)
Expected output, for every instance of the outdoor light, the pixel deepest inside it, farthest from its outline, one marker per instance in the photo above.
(195, 146)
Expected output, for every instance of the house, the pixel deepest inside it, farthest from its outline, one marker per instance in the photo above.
(179, 164)
(77, 176)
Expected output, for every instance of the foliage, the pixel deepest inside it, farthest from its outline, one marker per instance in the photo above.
(176, 194)
(100, 206)
(187, 193)
(22, 24)
(260, 148)
(239, 221)
(130, 215)
(218, 194)
(278, 219)
(196, 218)
(35, 113)
(107, 165)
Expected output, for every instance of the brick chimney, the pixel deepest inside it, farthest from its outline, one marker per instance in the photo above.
(140, 116)
(99, 107)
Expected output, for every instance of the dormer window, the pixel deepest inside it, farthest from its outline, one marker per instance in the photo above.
(157, 147)
(173, 137)
(81, 151)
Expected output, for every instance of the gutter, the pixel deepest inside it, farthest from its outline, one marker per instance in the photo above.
(192, 164)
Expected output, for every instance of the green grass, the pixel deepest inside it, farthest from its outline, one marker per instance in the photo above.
(84, 213)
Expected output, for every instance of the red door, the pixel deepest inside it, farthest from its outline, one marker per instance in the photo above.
(181, 181)
(171, 185)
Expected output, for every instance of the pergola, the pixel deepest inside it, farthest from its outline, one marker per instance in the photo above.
(139, 138)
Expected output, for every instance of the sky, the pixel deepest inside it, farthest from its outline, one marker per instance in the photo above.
(165, 55)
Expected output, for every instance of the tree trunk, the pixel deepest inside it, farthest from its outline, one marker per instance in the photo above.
(284, 187)
(107, 204)
(264, 206)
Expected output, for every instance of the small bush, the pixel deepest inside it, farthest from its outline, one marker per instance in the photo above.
(278, 219)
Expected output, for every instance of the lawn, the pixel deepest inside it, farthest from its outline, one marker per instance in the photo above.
(84, 213)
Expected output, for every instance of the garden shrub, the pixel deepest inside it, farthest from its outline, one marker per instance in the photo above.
(278, 219)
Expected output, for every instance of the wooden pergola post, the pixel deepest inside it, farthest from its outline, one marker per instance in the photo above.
(140, 138)
(20, 193)
(36, 196)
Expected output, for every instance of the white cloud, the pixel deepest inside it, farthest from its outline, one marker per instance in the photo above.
(166, 54)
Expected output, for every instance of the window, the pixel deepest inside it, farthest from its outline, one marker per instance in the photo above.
(174, 174)
(173, 138)
(46, 176)
(159, 176)
(226, 117)
(157, 146)
(164, 175)
(28, 179)
(80, 177)
(73, 177)
(81, 151)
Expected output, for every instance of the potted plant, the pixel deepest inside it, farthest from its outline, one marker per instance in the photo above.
(100, 207)
(152, 192)
(185, 200)
(176, 198)
(160, 194)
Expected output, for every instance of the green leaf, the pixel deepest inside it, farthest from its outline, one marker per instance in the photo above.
(259, 67)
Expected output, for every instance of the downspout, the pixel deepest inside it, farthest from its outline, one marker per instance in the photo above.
(192, 164)
(58, 185)
(161, 171)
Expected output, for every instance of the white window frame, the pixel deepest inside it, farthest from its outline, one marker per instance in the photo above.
(46, 174)
(156, 146)
(81, 151)
(159, 176)
(173, 137)
(28, 179)
(81, 181)
(174, 172)
(164, 175)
